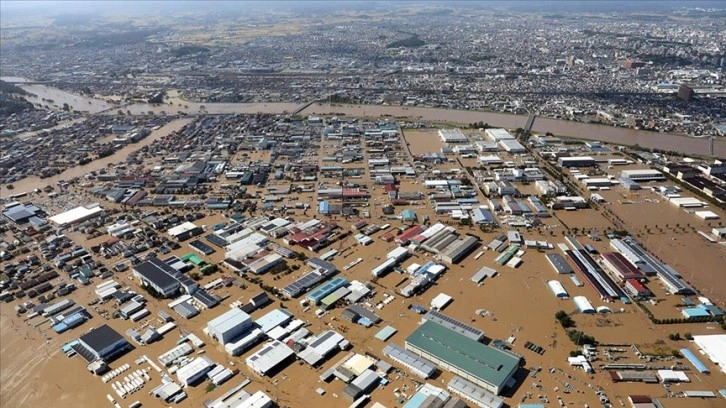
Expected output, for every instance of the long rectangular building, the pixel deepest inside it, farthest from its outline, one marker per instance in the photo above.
(459, 249)
(621, 266)
(559, 263)
(453, 324)
(487, 367)
(639, 256)
(418, 366)
(474, 394)
(269, 357)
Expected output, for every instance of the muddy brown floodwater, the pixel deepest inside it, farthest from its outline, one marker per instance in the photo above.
(30, 183)
(611, 134)
(59, 97)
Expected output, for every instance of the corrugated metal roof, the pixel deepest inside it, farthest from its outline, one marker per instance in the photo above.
(479, 360)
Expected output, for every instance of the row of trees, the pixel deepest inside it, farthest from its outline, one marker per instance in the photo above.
(721, 320)
(579, 337)
(677, 336)
(565, 320)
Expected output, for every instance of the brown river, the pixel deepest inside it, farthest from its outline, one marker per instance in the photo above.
(665, 141)
(28, 184)
(611, 134)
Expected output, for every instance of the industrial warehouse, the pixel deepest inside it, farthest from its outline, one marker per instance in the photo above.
(487, 367)
(361, 273)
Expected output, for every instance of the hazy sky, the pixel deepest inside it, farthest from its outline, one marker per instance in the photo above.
(15, 8)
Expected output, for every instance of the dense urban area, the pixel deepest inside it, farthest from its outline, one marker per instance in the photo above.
(389, 204)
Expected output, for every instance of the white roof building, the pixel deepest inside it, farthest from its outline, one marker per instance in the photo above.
(256, 400)
(672, 376)
(229, 326)
(78, 214)
(713, 346)
(322, 345)
(489, 160)
(273, 318)
(441, 301)
(398, 253)
(557, 288)
(642, 174)
(452, 136)
(243, 253)
(239, 346)
(512, 146)
(498, 134)
(181, 229)
(583, 304)
(195, 370)
(269, 357)
(239, 235)
(268, 261)
(253, 239)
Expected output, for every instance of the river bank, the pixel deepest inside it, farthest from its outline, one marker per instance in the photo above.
(589, 131)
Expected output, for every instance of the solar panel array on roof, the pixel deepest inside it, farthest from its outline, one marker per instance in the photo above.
(217, 240)
(418, 365)
(304, 283)
(453, 324)
(202, 247)
(478, 395)
(207, 299)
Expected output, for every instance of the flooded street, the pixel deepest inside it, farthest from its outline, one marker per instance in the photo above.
(30, 183)
(611, 134)
(666, 141)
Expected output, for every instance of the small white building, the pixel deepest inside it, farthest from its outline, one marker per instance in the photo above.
(498, 135)
(229, 326)
(642, 175)
(580, 361)
(269, 357)
(490, 160)
(441, 301)
(194, 370)
(452, 136)
(557, 288)
(719, 232)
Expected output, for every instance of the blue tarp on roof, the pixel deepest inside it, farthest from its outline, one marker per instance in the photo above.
(416, 401)
(482, 216)
(408, 215)
(694, 360)
(695, 312)
(324, 207)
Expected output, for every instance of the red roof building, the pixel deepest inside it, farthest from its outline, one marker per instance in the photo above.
(406, 236)
(619, 265)
(355, 193)
(637, 289)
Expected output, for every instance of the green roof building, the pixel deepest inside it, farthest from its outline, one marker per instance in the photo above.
(487, 367)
